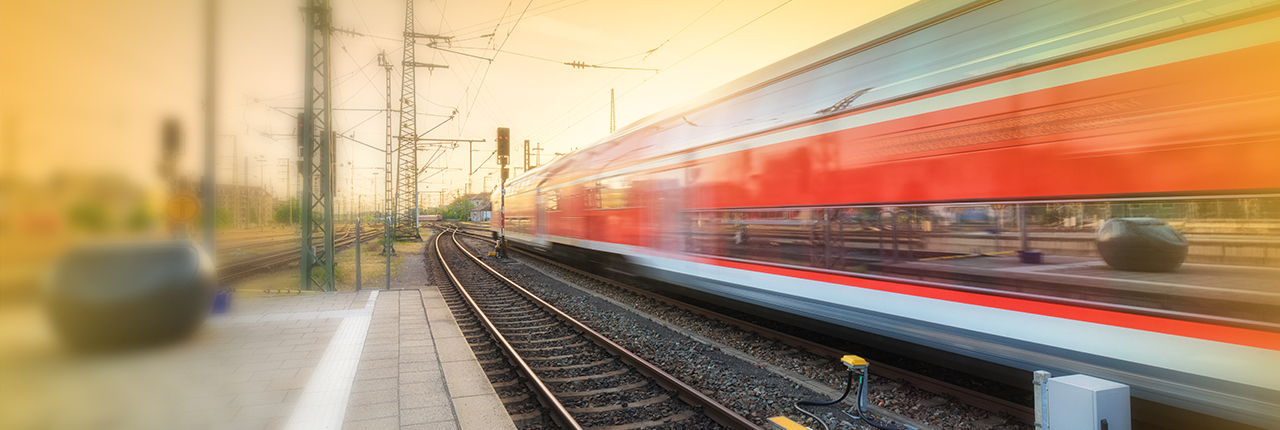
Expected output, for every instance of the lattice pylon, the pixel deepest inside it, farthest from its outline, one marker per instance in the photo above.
(317, 152)
(407, 152)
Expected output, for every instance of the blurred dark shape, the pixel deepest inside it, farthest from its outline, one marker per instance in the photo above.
(170, 146)
(123, 295)
(1141, 245)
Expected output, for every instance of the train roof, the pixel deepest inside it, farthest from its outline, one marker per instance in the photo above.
(837, 47)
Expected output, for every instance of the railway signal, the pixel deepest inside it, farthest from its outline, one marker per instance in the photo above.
(504, 157)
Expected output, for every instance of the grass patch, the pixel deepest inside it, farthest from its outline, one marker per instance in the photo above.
(373, 268)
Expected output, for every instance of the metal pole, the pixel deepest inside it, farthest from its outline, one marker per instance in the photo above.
(1022, 227)
(1040, 379)
(387, 237)
(210, 124)
(999, 219)
(288, 198)
(262, 188)
(358, 251)
(243, 211)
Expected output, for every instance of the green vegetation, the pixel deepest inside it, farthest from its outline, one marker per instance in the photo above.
(88, 216)
(291, 213)
(459, 209)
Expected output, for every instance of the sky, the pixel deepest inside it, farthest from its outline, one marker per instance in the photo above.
(85, 85)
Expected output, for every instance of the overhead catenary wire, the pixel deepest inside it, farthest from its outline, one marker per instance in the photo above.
(500, 46)
(615, 78)
(628, 91)
(574, 64)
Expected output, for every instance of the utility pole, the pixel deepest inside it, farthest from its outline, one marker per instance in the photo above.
(358, 201)
(407, 162)
(612, 123)
(390, 152)
(526, 155)
(242, 197)
(262, 190)
(317, 154)
(210, 125)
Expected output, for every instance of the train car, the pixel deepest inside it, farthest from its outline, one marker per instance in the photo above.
(430, 218)
(874, 182)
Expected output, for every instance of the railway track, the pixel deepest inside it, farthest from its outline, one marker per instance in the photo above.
(240, 246)
(938, 386)
(239, 269)
(572, 376)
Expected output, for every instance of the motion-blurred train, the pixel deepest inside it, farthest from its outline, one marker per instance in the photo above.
(877, 181)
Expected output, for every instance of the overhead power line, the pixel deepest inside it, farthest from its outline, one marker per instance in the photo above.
(581, 65)
(628, 91)
(574, 64)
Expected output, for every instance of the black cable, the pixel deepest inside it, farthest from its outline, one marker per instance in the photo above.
(862, 415)
(848, 386)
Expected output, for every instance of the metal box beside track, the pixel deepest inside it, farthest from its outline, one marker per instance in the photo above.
(1080, 402)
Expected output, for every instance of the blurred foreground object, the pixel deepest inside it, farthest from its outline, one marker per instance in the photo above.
(119, 295)
(1141, 244)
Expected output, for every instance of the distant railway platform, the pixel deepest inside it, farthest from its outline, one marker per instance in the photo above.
(1208, 289)
(382, 359)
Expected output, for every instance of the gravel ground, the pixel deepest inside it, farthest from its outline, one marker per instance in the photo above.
(752, 391)
(755, 392)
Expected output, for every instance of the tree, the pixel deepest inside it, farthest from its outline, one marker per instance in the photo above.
(221, 216)
(285, 211)
(459, 209)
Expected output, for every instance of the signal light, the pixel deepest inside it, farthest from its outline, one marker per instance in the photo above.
(504, 143)
(302, 124)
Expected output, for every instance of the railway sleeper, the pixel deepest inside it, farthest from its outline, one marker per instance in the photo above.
(551, 348)
(636, 404)
(536, 341)
(574, 366)
(586, 377)
(684, 415)
(513, 399)
(630, 386)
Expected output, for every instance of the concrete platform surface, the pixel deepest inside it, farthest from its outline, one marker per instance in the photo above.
(390, 359)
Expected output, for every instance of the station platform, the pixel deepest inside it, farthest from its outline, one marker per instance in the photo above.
(383, 359)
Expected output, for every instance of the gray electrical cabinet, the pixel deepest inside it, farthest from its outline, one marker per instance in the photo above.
(1080, 402)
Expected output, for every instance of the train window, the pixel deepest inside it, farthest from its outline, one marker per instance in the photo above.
(616, 193)
(551, 200)
(611, 193)
(591, 196)
(1219, 236)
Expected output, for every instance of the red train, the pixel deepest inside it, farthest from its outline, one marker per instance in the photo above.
(849, 183)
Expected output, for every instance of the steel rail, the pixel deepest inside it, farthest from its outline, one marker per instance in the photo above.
(276, 236)
(242, 268)
(974, 398)
(693, 396)
(558, 412)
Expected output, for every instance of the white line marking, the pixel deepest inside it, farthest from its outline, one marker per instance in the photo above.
(323, 404)
(282, 316)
